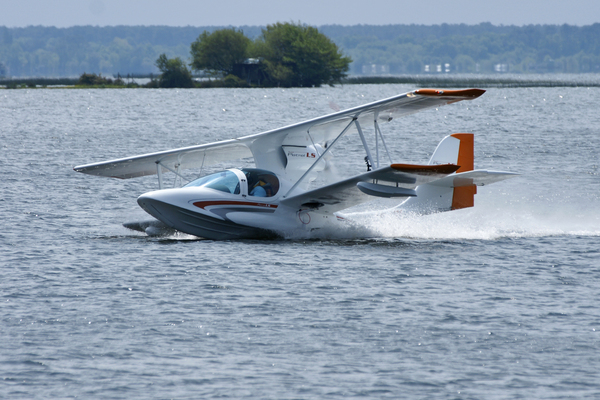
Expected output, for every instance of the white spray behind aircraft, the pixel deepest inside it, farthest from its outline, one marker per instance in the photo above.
(275, 198)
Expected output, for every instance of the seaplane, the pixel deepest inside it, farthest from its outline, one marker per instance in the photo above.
(290, 186)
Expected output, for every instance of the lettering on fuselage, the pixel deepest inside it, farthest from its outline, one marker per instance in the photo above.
(301, 155)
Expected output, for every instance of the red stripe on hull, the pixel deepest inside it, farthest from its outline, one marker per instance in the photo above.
(204, 204)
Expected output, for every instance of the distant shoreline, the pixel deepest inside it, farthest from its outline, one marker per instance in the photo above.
(484, 81)
(444, 81)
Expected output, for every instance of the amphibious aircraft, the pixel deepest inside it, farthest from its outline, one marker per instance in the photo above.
(278, 194)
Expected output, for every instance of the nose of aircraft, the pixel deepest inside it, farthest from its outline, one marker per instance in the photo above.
(155, 203)
(167, 205)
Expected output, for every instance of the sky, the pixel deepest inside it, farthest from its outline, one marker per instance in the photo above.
(65, 13)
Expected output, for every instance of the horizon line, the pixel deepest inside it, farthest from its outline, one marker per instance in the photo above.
(260, 26)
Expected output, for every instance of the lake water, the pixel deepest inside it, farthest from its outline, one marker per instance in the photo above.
(501, 301)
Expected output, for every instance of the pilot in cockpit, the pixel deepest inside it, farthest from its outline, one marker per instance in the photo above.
(261, 183)
(258, 189)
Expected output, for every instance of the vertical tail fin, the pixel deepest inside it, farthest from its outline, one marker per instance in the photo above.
(464, 196)
(455, 149)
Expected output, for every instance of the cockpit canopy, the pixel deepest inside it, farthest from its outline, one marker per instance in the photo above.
(258, 182)
(225, 181)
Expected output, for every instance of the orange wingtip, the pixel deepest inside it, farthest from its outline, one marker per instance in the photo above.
(464, 93)
(426, 169)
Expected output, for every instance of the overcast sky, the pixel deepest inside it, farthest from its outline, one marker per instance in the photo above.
(64, 13)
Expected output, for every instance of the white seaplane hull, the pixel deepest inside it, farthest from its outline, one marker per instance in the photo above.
(206, 216)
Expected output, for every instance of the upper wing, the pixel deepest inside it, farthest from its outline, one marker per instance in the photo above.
(345, 193)
(266, 147)
(183, 158)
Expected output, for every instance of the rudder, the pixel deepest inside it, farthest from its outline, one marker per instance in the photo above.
(464, 196)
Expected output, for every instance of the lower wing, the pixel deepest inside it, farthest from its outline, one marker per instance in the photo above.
(396, 180)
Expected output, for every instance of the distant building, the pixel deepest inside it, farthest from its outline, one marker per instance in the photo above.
(250, 70)
(375, 69)
(437, 68)
(501, 67)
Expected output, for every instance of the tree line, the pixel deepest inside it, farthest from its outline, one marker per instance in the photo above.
(482, 48)
(375, 50)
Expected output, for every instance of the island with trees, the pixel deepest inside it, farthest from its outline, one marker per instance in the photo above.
(285, 54)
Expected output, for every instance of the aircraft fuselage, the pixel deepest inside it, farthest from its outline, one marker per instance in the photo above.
(229, 205)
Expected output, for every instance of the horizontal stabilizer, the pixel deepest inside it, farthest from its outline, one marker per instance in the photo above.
(477, 177)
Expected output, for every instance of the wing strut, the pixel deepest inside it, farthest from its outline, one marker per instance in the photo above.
(376, 138)
(313, 142)
(320, 157)
(378, 135)
(364, 142)
(159, 173)
(382, 141)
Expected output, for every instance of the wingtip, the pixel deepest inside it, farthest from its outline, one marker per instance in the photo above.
(467, 94)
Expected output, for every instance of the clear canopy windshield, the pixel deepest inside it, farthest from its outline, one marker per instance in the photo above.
(261, 183)
(225, 181)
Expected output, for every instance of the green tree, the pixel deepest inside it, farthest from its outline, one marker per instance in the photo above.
(174, 73)
(220, 51)
(93, 80)
(299, 55)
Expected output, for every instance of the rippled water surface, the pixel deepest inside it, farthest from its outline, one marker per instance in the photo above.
(499, 302)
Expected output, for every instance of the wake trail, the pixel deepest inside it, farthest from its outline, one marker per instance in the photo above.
(488, 221)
